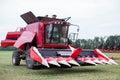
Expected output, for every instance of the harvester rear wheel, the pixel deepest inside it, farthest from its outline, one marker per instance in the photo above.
(16, 58)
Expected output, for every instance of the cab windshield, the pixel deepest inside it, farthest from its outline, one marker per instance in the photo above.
(56, 34)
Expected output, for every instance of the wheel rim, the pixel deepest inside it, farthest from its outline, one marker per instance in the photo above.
(13, 60)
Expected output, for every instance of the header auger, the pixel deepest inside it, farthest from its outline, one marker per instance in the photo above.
(45, 42)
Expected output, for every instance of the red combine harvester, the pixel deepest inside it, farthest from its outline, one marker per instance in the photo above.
(46, 42)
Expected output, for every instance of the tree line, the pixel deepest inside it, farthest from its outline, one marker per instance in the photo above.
(8, 48)
(106, 43)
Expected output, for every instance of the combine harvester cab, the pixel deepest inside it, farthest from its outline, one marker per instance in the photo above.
(45, 42)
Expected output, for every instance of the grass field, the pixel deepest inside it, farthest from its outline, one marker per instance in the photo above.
(100, 72)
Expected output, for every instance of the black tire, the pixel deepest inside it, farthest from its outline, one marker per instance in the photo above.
(16, 58)
(29, 62)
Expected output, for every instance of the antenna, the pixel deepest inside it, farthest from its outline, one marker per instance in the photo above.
(66, 19)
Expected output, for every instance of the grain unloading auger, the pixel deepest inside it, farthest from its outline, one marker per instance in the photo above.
(45, 42)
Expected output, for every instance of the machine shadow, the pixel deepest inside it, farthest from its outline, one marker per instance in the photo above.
(65, 71)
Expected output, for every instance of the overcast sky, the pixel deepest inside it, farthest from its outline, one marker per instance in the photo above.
(95, 17)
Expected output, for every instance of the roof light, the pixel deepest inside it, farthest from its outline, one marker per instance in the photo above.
(58, 22)
(55, 22)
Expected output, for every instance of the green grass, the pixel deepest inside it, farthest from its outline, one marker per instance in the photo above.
(116, 55)
(100, 72)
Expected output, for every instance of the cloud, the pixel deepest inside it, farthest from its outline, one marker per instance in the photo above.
(95, 17)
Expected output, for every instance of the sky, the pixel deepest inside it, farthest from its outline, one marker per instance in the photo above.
(95, 17)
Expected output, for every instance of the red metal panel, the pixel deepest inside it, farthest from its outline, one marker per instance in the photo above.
(13, 35)
(101, 55)
(35, 56)
(40, 36)
(76, 53)
(38, 28)
(26, 37)
(6, 43)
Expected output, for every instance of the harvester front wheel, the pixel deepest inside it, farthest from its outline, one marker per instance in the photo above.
(16, 58)
(29, 62)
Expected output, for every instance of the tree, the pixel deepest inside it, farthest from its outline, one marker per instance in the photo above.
(111, 43)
